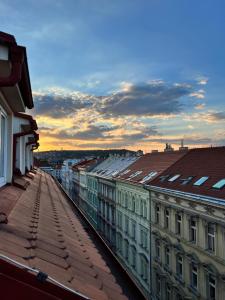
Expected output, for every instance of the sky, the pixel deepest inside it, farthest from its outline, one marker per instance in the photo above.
(132, 74)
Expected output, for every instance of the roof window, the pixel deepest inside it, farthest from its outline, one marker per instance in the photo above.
(164, 177)
(125, 172)
(220, 184)
(186, 180)
(173, 178)
(201, 180)
(135, 174)
(148, 177)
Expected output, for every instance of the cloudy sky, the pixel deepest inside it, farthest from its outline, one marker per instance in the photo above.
(123, 73)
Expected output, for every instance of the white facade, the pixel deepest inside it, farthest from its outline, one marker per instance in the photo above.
(13, 100)
(67, 173)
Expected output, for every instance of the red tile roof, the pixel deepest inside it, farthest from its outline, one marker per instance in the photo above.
(46, 233)
(198, 163)
(151, 162)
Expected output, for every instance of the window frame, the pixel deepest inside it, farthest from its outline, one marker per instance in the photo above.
(193, 228)
(3, 114)
(211, 237)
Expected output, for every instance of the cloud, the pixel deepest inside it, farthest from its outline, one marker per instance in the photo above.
(200, 106)
(200, 94)
(153, 98)
(94, 132)
(60, 105)
(100, 133)
(217, 116)
(202, 80)
(149, 99)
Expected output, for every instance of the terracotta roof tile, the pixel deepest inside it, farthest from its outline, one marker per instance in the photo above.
(151, 162)
(197, 163)
(44, 232)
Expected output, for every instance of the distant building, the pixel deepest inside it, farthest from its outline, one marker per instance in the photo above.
(104, 206)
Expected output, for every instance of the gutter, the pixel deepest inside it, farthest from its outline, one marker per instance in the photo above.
(188, 196)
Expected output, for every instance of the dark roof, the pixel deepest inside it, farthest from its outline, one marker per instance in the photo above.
(203, 162)
(84, 164)
(45, 232)
(20, 72)
(151, 162)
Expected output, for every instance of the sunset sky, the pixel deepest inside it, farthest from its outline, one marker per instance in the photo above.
(123, 73)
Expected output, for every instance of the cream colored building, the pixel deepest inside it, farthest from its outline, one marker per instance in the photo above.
(188, 228)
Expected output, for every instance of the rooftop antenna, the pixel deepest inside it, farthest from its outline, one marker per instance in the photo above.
(182, 143)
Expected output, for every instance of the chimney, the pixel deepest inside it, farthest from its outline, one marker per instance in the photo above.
(168, 148)
(155, 151)
(182, 147)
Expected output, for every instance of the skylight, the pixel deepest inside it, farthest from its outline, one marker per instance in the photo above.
(201, 180)
(148, 177)
(125, 172)
(186, 180)
(164, 177)
(135, 174)
(220, 184)
(173, 178)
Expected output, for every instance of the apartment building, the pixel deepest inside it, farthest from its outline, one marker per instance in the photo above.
(105, 208)
(188, 227)
(133, 214)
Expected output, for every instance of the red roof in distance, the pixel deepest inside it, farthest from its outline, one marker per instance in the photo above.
(151, 162)
(84, 164)
(202, 162)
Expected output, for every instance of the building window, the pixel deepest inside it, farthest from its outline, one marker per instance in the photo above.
(133, 205)
(157, 214)
(168, 292)
(120, 220)
(167, 218)
(179, 267)
(158, 286)
(133, 230)
(126, 249)
(144, 268)
(178, 223)
(126, 225)
(157, 249)
(126, 201)
(133, 257)
(194, 276)
(144, 209)
(211, 237)
(167, 256)
(211, 287)
(144, 240)
(3, 147)
(193, 230)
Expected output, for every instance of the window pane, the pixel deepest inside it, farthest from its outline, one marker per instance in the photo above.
(2, 145)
